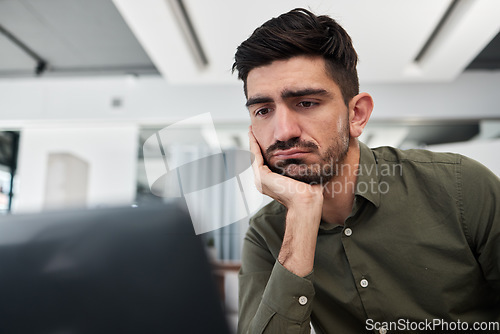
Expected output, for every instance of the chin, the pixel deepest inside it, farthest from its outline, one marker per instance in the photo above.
(305, 174)
(310, 179)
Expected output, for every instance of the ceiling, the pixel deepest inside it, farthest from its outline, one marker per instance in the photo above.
(388, 34)
(73, 37)
(489, 58)
(193, 41)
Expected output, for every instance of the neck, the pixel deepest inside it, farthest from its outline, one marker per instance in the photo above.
(338, 196)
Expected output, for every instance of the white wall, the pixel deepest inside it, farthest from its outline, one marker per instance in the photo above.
(152, 100)
(145, 100)
(484, 151)
(474, 95)
(111, 152)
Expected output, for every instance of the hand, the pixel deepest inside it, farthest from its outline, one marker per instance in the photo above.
(304, 205)
(287, 191)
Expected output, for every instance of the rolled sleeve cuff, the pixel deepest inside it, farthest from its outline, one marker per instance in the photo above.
(289, 295)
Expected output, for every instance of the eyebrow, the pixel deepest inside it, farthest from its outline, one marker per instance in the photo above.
(257, 100)
(288, 94)
(304, 92)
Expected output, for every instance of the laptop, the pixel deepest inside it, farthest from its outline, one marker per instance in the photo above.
(119, 270)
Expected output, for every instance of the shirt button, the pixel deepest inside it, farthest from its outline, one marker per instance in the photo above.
(303, 300)
(382, 331)
(364, 283)
(348, 232)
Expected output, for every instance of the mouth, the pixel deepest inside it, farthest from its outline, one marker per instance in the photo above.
(292, 153)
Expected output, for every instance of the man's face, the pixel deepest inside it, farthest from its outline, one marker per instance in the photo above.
(299, 118)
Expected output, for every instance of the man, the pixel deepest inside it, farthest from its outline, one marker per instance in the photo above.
(357, 239)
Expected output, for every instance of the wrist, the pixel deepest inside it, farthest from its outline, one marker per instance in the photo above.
(307, 199)
(306, 207)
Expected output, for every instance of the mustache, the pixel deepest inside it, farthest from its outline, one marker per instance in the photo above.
(291, 143)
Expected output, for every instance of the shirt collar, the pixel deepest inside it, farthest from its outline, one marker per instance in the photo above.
(367, 183)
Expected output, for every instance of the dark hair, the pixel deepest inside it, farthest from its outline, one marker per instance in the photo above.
(296, 33)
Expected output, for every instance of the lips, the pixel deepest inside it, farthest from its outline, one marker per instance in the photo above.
(293, 153)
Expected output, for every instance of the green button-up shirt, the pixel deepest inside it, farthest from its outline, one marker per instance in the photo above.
(422, 243)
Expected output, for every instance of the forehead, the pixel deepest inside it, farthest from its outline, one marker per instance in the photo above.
(296, 73)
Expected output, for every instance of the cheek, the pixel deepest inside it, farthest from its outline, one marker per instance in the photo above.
(340, 126)
(321, 132)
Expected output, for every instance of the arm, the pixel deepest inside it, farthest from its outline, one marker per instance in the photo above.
(304, 203)
(269, 293)
(270, 288)
(480, 190)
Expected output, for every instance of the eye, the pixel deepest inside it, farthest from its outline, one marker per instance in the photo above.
(262, 111)
(307, 104)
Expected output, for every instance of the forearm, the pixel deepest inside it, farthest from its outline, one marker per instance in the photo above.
(299, 242)
(278, 265)
(269, 294)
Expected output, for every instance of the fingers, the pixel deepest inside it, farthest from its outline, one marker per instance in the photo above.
(255, 148)
(258, 161)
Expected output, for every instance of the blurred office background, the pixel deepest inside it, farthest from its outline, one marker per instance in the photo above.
(85, 83)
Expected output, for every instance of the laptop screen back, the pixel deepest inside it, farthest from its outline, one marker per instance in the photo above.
(127, 270)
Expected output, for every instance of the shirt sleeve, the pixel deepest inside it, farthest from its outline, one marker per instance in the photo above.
(271, 298)
(480, 190)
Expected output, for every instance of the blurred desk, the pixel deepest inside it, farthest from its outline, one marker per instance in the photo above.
(221, 270)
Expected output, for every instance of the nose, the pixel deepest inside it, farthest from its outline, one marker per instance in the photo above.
(286, 124)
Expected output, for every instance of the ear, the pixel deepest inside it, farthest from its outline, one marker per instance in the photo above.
(360, 109)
